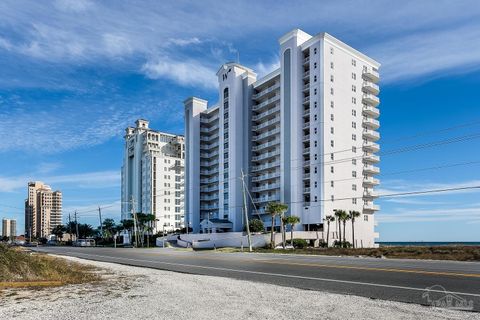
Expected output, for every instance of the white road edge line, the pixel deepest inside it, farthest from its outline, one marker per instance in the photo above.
(280, 275)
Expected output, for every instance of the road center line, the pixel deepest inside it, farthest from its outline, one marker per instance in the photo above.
(277, 274)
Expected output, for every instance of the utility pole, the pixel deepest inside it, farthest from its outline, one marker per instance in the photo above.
(246, 214)
(70, 225)
(76, 224)
(134, 215)
(100, 217)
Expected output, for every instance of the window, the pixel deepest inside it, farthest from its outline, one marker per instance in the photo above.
(354, 174)
(354, 76)
(316, 198)
(354, 100)
(354, 63)
(315, 104)
(314, 117)
(331, 130)
(332, 104)
(331, 156)
(315, 170)
(331, 50)
(365, 217)
(315, 65)
(314, 50)
(331, 169)
(315, 157)
(354, 162)
(331, 91)
(354, 112)
(315, 143)
(354, 125)
(315, 91)
(331, 117)
(354, 187)
(331, 65)
(333, 198)
(315, 184)
(331, 78)
(354, 149)
(331, 184)
(315, 130)
(331, 143)
(354, 88)
(354, 200)
(354, 137)
(314, 78)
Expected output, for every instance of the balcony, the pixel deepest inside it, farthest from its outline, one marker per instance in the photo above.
(306, 74)
(266, 102)
(371, 123)
(306, 112)
(268, 90)
(267, 176)
(266, 145)
(275, 197)
(371, 134)
(306, 163)
(306, 150)
(306, 125)
(371, 74)
(209, 180)
(266, 155)
(306, 137)
(371, 111)
(370, 194)
(209, 189)
(265, 166)
(306, 176)
(370, 181)
(306, 87)
(370, 87)
(371, 147)
(266, 134)
(306, 100)
(306, 60)
(306, 190)
(209, 198)
(266, 187)
(209, 129)
(371, 207)
(370, 99)
(209, 172)
(267, 123)
(209, 207)
(371, 158)
(370, 169)
(266, 113)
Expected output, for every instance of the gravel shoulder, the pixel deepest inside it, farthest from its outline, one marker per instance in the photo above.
(140, 293)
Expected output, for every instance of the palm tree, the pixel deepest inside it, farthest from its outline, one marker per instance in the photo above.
(58, 231)
(274, 209)
(353, 214)
(341, 216)
(345, 217)
(292, 221)
(328, 219)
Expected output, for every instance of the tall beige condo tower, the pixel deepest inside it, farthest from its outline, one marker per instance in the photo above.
(43, 210)
(9, 228)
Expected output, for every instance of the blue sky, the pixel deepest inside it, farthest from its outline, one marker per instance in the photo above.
(74, 74)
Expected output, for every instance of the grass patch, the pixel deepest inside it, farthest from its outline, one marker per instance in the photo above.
(20, 266)
(454, 253)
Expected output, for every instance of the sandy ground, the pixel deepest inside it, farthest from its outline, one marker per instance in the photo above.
(141, 293)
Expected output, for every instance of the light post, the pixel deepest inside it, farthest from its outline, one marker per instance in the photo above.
(164, 235)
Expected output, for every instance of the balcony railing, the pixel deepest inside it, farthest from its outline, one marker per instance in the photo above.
(266, 113)
(268, 90)
(266, 102)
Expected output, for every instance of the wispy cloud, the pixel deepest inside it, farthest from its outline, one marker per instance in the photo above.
(187, 73)
(470, 214)
(99, 179)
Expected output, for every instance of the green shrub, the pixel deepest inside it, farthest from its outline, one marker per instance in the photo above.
(256, 225)
(300, 243)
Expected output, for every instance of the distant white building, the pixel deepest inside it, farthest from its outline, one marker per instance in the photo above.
(305, 135)
(9, 228)
(153, 175)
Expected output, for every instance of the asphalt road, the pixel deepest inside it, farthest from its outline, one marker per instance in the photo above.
(397, 280)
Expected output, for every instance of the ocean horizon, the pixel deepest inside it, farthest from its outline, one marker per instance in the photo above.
(428, 243)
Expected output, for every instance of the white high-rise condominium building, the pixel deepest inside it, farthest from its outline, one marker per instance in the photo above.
(304, 134)
(152, 176)
(43, 210)
(9, 228)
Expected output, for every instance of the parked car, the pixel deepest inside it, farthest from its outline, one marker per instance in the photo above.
(84, 243)
(31, 244)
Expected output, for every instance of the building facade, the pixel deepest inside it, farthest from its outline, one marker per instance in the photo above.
(304, 135)
(9, 228)
(43, 210)
(153, 176)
